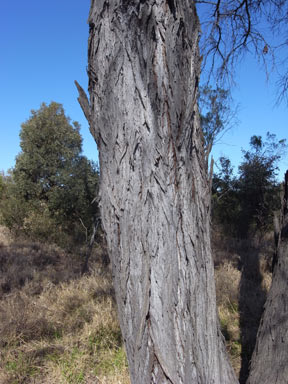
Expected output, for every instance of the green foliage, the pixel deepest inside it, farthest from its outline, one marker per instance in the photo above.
(12, 208)
(247, 204)
(258, 186)
(2, 185)
(50, 192)
(225, 197)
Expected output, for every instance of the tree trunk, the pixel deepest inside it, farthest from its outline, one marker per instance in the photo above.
(270, 358)
(144, 70)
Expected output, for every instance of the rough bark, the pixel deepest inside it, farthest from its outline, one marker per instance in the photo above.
(270, 358)
(144, 69)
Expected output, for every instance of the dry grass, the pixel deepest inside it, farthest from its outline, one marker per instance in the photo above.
(5, 236)
(59, 327)
(56, 326)
(243, 278)
(30, 264)
(68, 334)
(227, 290)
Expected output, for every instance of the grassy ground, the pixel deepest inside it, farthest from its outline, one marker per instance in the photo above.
(67, 334)
(55, 326)
(59, 327)
(243, 278)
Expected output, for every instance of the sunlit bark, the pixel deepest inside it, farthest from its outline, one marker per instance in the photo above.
(144, 68)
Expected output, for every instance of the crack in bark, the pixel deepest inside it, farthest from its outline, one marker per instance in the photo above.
(140, 97)
(158, 182)
(120, 73)
(156, 375)
(147, 126)
(171, 4)
(124, 154)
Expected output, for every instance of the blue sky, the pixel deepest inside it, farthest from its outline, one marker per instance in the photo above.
(257, 115)
(43, 49)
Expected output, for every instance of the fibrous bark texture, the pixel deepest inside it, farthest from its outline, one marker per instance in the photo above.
(154, 195)
(270, 358)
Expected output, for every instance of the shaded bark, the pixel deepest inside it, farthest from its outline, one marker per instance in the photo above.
(270, 358)
(252, 298)
(144, 70)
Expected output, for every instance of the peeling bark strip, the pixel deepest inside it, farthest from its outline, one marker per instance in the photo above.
(270, 358)
(143, 69)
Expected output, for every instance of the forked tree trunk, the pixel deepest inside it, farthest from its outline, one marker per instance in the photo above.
(270, 358)
(144, 70)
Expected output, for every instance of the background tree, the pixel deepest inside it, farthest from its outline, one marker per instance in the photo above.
(246, 205)
(258, 185)
(1, 186)
(226, 205)
(52, 182)
(2, 191)
(12, 208)
(217, 114)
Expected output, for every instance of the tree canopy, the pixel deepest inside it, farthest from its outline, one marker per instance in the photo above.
(217, 113)
(1, 186)
(51, 180)
(247, 203)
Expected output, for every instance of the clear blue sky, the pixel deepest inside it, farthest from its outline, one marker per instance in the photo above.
(257, 115)
(43, 49)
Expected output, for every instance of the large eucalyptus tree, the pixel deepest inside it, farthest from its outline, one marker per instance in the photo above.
(144, 68)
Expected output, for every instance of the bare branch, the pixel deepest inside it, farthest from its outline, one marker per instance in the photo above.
(233, 27)
(83, 101)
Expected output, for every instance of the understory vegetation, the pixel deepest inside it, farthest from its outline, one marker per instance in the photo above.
(243, 275)
(58, 326)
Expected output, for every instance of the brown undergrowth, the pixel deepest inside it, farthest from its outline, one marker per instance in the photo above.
(63, 332)
(243, 278)
(57, 326)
